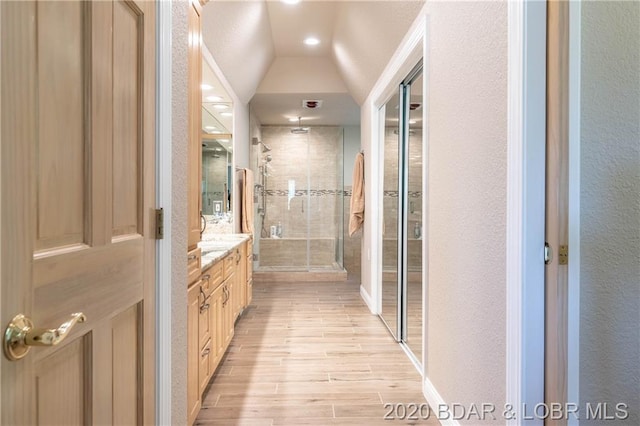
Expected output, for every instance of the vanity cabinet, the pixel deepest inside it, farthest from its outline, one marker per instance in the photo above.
(216, 297)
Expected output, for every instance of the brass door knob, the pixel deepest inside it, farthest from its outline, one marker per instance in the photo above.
(20, 335)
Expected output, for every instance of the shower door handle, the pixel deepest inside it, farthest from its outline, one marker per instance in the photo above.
(303, 206)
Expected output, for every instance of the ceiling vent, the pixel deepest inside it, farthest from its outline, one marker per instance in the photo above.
(311, 103)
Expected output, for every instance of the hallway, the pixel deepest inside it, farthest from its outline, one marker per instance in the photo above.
(310, 354)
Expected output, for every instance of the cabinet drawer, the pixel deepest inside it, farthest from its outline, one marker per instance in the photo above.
(229, 264)
(215, 275)
(193, 266)
(204, 374)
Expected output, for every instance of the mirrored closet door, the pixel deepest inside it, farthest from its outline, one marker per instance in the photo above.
(402, 214)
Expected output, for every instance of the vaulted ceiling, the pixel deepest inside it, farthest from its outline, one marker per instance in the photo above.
(259, 47)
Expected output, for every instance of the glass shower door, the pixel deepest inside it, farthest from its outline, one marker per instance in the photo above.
(325, 213)
(283, 204)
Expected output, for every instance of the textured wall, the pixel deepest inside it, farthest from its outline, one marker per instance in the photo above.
(467, 200)
(304, 74)
(610, 206)
(360, 49)
(238, 34)
(179, 125)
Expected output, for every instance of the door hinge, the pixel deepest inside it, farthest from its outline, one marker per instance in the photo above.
(548, 254)
(563, 255)
(159, 224)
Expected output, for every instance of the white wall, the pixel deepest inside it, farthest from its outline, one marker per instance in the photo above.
(304, 74)
(180, 137)
(467, 162)
(610, 206)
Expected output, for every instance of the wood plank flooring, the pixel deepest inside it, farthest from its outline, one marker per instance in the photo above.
(310, 354)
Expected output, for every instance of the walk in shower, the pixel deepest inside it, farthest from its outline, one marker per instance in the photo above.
(299, 208)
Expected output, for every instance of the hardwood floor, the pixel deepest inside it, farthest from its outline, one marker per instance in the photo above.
(310, 354)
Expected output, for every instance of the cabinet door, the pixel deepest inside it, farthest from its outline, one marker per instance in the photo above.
(242, 273)
(249, 291)
(204, 327)
(249, 273)
(217, 330)
(204, 369)
(227, 314)
(193, 352)
(195, 126)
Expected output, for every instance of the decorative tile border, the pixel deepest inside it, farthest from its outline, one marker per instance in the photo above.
(303, 192)
(331, 192)
(394, 194)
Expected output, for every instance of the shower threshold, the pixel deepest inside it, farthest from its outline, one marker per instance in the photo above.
(333, 272)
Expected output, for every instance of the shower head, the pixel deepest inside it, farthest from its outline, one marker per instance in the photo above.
(265, 147)
(300, 130)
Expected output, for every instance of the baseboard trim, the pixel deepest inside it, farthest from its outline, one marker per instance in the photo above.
(435, 401)
(367, 299)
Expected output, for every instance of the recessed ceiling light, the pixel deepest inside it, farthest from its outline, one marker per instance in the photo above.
(214, 98)
(290, 1)
(221, 106)
(293, 120)
(226, 114)
(205, 86)
(311, 41)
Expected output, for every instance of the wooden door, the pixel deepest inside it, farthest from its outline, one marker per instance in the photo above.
(557, 200)
(77, 206)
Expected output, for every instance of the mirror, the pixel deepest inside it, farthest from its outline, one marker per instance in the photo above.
(217, 146)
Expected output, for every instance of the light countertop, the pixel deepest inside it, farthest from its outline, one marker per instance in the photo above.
(215, 247)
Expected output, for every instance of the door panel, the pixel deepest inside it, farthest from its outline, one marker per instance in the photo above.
(126, 114)
(125, 366)
(75, 184)
(390, 216)
(413, 233)
(61, 146)
(63, 385)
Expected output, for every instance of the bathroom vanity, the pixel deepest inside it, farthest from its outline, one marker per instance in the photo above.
(220, 287)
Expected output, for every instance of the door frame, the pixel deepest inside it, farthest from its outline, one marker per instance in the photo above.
(573, 281)
(527, 23)
(164, 172)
